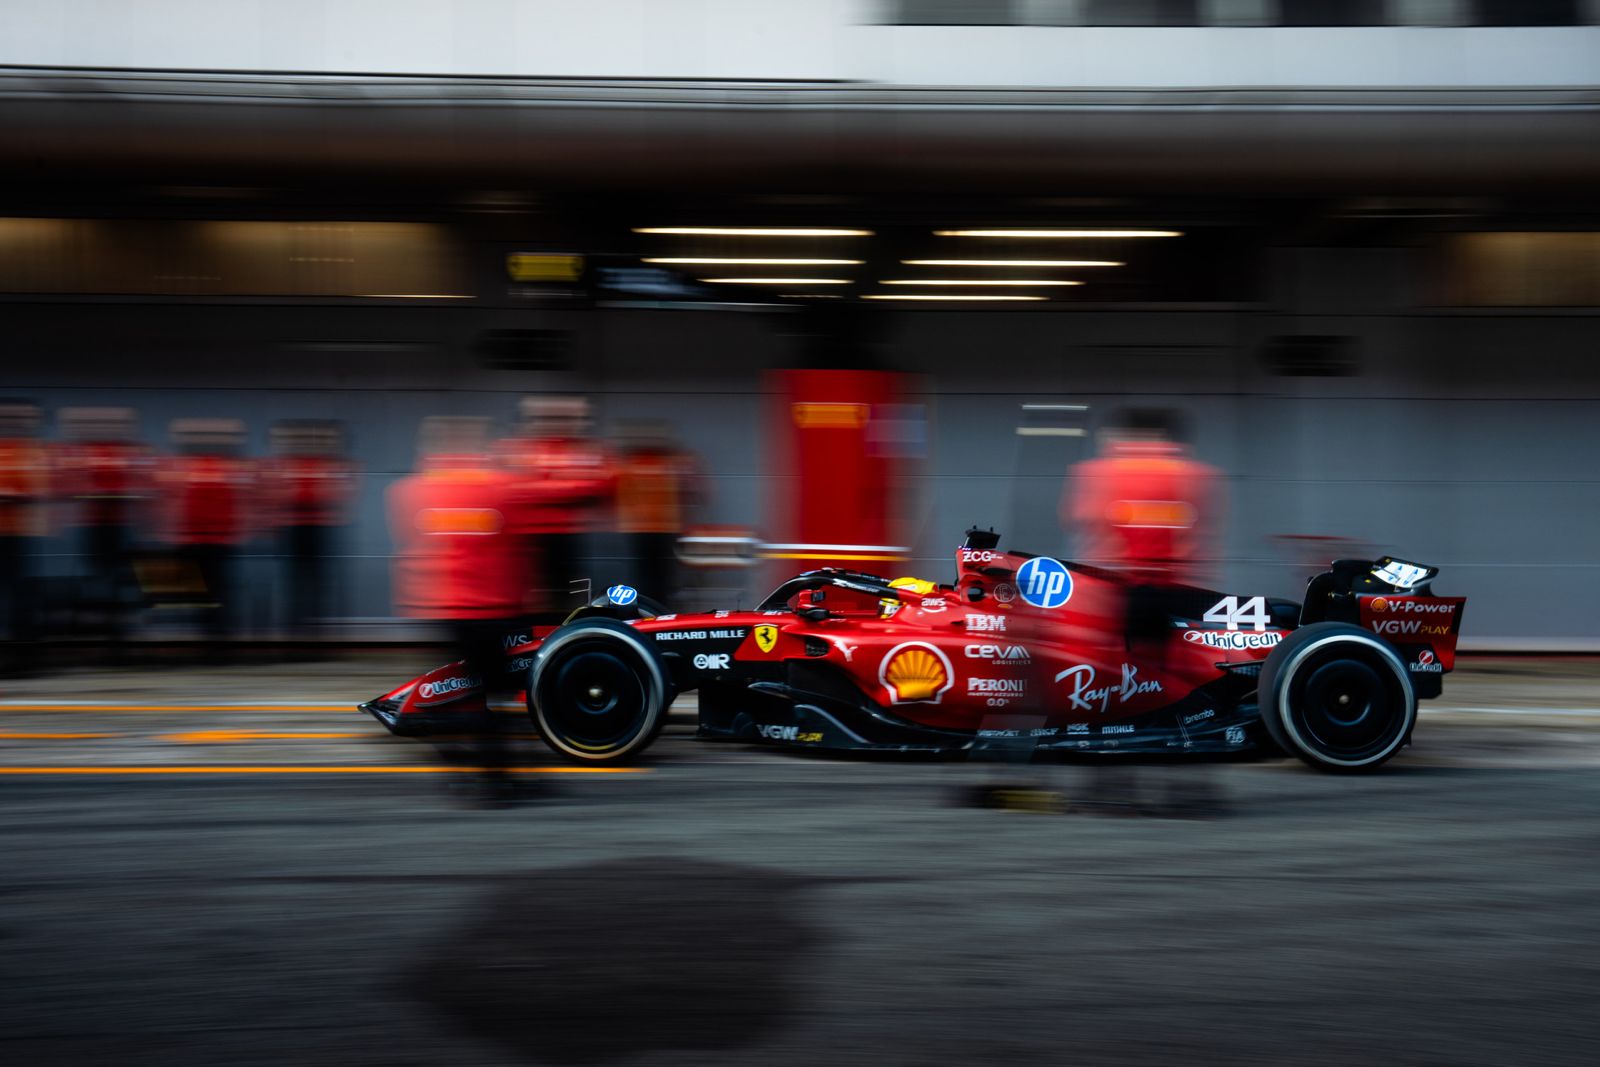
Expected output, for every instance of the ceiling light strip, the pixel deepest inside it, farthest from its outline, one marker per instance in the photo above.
(1012, 263)
(776, 281)
(736, 262)
(752, 231)
(1021, 283)
(949, 296)
(1058, 233)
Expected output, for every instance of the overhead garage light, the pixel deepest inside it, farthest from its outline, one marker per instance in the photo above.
(1057, 233)
(1012, 263)
(751, 231)
(949, 296)
(724, 262)
(1021, 283)
(776, 281)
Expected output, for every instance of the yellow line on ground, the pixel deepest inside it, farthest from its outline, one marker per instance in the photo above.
(24, 735)
(297, 769)
(221, 737)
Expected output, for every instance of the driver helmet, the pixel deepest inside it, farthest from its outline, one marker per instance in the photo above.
(920, 586)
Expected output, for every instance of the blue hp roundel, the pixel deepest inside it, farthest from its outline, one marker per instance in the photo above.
(1044, 582)
(622, 595)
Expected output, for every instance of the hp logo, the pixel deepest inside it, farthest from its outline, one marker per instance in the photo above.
(623, 595)
(1044, 582)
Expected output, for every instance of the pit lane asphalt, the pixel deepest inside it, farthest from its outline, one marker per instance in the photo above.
(733, 905)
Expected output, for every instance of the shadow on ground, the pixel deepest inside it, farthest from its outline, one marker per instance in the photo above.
(587, 965)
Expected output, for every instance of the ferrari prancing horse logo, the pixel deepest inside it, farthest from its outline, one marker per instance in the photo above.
(766, 637)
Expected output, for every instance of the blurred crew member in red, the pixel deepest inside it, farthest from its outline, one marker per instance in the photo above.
(657, 483)
(573, 477)
(103, 475)
(461, 527)
(1145, 505)
(307, 486)
(206, 487)
(24, 483)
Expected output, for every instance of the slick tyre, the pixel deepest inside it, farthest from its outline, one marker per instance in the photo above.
(597, 692)
(1338, 697)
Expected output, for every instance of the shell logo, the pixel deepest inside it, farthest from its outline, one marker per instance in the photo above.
(915, 672)
(1380, 605)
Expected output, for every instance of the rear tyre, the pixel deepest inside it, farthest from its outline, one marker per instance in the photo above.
(1338, 697)
(597, 692)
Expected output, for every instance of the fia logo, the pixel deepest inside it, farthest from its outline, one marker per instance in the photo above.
(1044, 582)
(622, 595)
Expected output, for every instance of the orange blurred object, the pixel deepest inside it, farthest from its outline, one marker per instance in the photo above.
(1145, 507)
(462, 539)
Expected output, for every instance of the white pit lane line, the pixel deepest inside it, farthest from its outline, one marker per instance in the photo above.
(1577, 713)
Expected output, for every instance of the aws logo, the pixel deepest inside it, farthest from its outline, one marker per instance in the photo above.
(915, 673)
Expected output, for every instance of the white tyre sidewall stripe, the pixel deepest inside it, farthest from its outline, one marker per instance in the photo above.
(658, 692)
(1286, 720)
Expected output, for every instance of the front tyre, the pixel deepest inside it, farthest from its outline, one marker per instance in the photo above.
(597, 692)
(1338, 697)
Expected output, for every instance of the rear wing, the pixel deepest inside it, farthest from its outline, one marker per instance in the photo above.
(1394, 599)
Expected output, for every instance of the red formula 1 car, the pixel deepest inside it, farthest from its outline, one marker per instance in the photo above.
(1019, 650)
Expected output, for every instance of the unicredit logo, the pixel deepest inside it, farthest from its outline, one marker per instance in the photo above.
(1232, 639)
(445, 686)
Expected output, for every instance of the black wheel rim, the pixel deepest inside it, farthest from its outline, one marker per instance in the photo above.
(594, 697)
(1347, 704)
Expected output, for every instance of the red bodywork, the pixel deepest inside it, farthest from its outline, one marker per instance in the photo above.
(978, 657)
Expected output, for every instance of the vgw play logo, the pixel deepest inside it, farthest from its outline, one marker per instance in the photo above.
(1044, 582)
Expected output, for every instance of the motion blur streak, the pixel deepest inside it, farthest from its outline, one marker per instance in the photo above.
(352, 768)
(351, 351)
